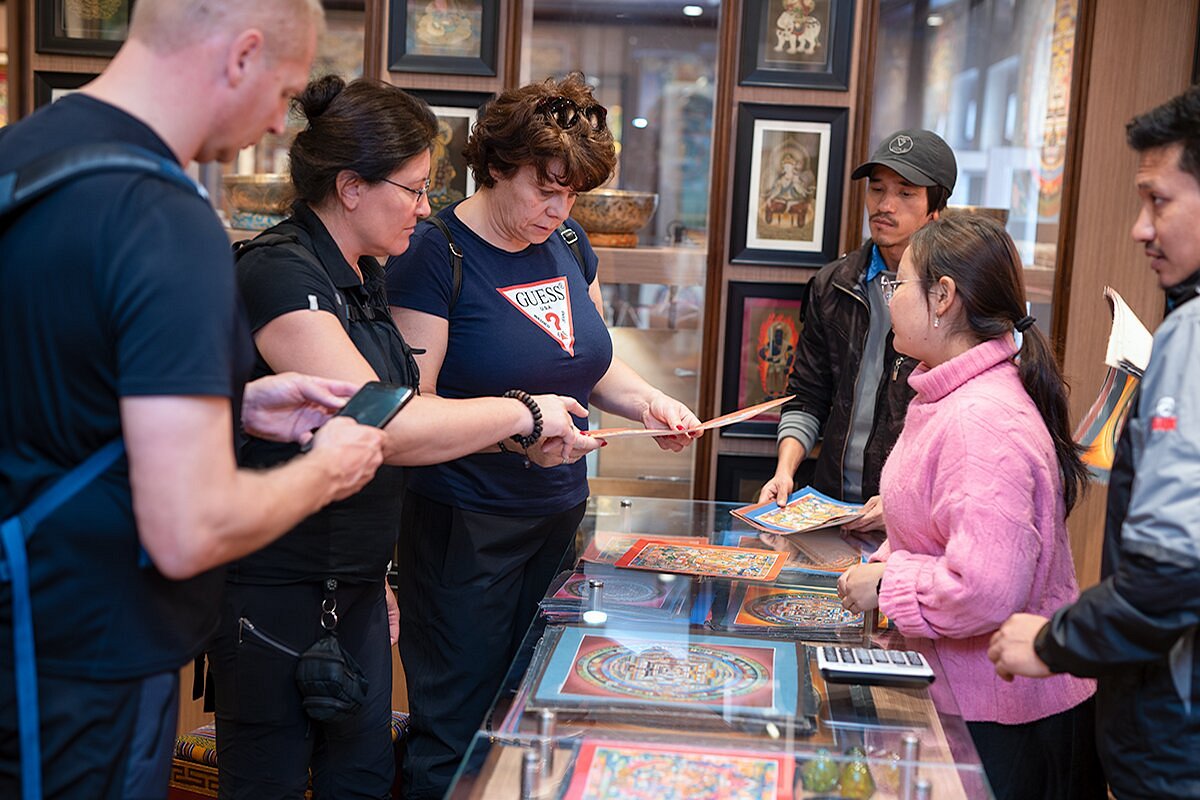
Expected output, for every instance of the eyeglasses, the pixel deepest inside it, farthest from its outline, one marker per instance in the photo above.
(565, 112)
(417, 193)
(889, 286)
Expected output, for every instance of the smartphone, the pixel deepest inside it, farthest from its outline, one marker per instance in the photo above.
(376, 403)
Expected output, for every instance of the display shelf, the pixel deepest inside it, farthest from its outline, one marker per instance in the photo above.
(668, 266)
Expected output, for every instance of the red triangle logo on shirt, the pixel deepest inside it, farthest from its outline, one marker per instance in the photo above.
(546, 304)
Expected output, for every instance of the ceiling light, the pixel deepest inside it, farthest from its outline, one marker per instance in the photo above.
(935, 20)
(692, 11)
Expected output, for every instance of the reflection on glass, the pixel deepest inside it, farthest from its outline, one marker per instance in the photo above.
(652, 64)
(993, 78)
(93, 19)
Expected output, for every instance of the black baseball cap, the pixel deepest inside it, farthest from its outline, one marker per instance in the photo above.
(920, 157)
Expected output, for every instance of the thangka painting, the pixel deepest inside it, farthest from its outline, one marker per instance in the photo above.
(806, 510)
(635, 771)
(798, 43)
(762, 334)
(449, 178)
(787, 192)
(788, 196)
(443, 36)
(775, 607)
(608, 546)
(819, 553)
(714, 561)
(629, 589)
(666, 670)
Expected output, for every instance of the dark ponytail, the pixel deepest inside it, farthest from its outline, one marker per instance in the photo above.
(979, 255)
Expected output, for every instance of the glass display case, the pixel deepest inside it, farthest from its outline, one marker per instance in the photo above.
(635, 682)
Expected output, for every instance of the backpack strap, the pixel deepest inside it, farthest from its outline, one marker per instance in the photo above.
(22, 187)
(456, 257)
(456, 260)
(273, 239)
(15, 533)
(572, 239)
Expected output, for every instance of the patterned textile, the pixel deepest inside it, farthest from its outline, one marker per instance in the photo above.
(194, 768)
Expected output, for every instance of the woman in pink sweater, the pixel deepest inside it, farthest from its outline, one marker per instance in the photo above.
(975, 495)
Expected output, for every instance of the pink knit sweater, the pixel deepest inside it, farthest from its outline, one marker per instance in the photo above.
(977, 530)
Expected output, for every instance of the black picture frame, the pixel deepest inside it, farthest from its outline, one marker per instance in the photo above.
(406, 54)
(781, 218)
(45, 84)
(775, 53)
(450, 180)
(101, 36)
(763, 322)
(740, 477)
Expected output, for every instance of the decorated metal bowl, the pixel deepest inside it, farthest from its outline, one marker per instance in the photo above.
(257, 201)
(614, 210)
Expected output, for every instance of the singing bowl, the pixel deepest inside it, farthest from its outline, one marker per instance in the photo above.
(614, 210)
(264, 193)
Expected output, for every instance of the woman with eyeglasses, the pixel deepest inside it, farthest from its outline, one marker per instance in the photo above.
(314, 294)
(977, 490)
(484, 535)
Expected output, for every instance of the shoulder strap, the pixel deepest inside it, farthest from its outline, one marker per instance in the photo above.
(273, 239)
(456, 259)
(24, 186)
(15, 532)
(572, 239)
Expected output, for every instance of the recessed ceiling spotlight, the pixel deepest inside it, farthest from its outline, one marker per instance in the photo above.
(692, 11)
(935, 20)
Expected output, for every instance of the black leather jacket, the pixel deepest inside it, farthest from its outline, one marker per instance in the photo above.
(1129, 629)
(836, 323)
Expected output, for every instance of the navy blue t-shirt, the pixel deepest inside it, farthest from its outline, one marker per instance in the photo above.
(115, 285)
(522, 321)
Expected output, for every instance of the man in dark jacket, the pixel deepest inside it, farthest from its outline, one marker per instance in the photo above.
(850, 384)
(1136, 630)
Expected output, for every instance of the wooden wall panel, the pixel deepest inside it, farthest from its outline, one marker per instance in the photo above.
(1116, 83)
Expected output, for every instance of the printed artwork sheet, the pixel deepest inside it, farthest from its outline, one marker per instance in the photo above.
(806, 510)
(636, 771)
(709, 560)
(717, 422)
(597, 671)
(608, 546)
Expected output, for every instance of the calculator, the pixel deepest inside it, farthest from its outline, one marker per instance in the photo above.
(872, 666)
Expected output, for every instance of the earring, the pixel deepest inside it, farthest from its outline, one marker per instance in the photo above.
(937, 321)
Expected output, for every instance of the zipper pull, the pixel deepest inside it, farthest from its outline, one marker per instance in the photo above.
(896, 367)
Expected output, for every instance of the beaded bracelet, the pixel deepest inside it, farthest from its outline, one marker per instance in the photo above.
(535, 412)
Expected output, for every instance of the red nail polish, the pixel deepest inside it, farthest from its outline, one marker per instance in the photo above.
(678, 427)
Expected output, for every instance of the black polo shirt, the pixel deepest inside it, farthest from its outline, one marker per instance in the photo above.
(115, 285)
(354, 538)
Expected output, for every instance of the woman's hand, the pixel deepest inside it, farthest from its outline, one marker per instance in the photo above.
(287, 407)
(393, 613)
(857, 587)
(872, 517)
(667, 413)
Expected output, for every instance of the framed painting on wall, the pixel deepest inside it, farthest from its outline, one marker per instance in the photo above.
(787, 194)
(449, 178)
(762, 330)
(798, 43)
(51, 86)
(79, 28)
(445, 36)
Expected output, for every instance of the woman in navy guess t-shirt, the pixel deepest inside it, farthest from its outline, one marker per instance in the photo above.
(483, 535)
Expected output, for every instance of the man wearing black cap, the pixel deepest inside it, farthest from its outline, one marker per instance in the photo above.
(850, 384)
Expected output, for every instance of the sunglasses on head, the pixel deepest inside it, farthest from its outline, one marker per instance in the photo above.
(565, 112)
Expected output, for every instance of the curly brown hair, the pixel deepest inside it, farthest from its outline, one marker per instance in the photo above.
(516, 129)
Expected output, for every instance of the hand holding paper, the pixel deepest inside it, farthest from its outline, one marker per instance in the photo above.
(695, 428)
